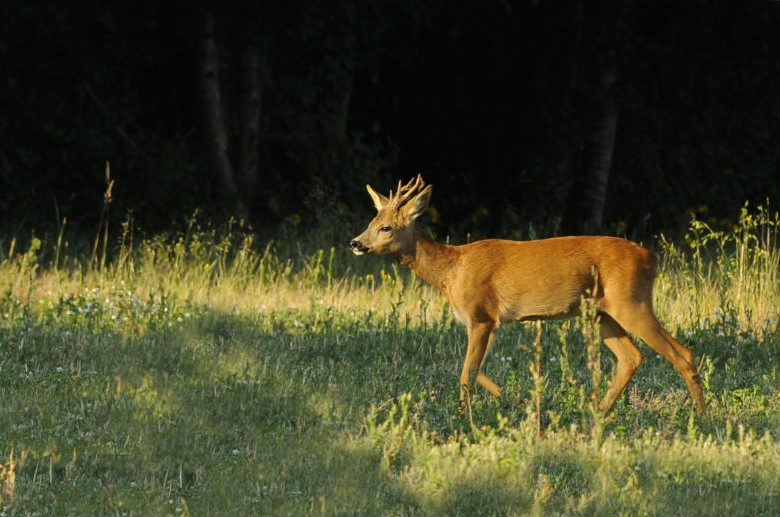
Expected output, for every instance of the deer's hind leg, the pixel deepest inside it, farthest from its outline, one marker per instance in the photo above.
(628, 355)
(641, 321)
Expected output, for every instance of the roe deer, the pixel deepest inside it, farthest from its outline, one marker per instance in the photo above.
(493, 281)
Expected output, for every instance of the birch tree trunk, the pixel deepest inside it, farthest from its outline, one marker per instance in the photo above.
(214, 120)
(252, 70)
(584, 212)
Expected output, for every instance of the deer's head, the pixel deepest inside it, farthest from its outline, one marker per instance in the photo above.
(391, 231)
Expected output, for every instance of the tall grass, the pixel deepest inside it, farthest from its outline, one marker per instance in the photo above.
(222, 268)
(205, 373)
(724, 276)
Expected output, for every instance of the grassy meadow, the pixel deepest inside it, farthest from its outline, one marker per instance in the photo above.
(204, 373)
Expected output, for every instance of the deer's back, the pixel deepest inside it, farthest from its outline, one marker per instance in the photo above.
(508, 280)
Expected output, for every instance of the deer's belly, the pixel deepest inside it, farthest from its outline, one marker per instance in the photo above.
(538, 311)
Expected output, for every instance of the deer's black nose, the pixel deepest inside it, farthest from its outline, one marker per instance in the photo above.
(357, 246)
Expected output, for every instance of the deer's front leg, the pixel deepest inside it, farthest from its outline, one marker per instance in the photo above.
(480, 337)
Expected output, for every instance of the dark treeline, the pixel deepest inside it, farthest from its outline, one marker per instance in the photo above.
(574, 115)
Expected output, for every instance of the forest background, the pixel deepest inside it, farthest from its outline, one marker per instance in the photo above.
(594, 117)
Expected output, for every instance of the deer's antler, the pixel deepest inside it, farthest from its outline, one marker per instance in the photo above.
(405, 192)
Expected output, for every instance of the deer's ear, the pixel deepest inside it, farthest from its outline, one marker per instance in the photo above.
(417, 205)
(379, 200)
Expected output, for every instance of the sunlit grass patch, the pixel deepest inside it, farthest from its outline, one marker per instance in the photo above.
(724, 279)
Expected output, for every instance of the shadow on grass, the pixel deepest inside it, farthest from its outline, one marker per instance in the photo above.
(218, 415)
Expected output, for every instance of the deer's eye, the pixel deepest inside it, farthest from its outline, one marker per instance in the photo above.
(386, 229)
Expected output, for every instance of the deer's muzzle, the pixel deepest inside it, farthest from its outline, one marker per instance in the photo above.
(357, 247)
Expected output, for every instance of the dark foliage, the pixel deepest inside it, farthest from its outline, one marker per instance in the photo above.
(490, 100)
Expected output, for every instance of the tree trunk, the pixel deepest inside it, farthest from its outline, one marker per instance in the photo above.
(590, 170)
(214, 120)
(252, 70)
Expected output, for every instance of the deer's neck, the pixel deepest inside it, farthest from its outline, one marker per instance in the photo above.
(430, 260)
